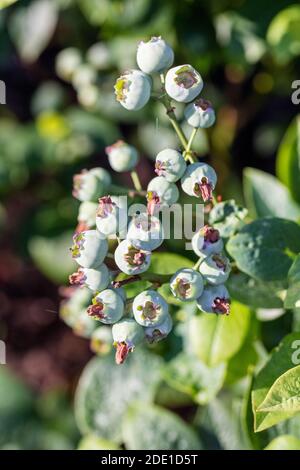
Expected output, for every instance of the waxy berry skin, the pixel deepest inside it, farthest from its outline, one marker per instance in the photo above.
(199, 180)
(101, 340)
(67, 62)
(215, 299)
(95, 279)
(145, 232)
(207, 241)
(183, 83)
(154, 334)
(154, 55)
(111, 215)
(186, 284)
(127, 334)
(170, 164)
(89, 248)
(215, 269)
(122, 156)
(107, 307)
(150, 308)
(86, 215)
(200, 114)
(161, 193)
(131, 260)
(91, 184)
(133, 89)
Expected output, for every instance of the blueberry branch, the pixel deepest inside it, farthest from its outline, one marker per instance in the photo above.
(157, 279)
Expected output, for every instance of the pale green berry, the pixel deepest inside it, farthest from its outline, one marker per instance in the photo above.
(84, 76)
(99, 56)
(107, 307)
(111, 215)
(101, 340)
(84, 325)
(215, 299)
(122, 156)
(154, 334)
(86, 215)
(207, 241)
(131, 260)
(215, 269)
(150, 308)
(161, 193)
(126, 335)
(76, 300)
(89, 248)
(199, 180)
(95, 279)
(90, 185)
(170, 164)
(67, 62)
(183, 83)
(145, 232)
(133, 89)
(154, 55)
(200, 114)
(186, 284)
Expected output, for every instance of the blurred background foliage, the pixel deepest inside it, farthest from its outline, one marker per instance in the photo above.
(53, 125)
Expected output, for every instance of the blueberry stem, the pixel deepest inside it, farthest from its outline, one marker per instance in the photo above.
(136, 181)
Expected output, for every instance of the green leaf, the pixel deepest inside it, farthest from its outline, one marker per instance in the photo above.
(194, 378)
(286, 442)
(284, 395)
(214, 339)
(254, 293)
(106, 390)
(168, 263)
(288, 159)
(292, 299)
(280, 361)
(283, 34)
(91, 442)
(154, 428)
(265, 195)
(6, 3)
(265, 248)
(52, 256)
(15, 397)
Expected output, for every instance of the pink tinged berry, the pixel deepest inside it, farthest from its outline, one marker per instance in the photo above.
(203, 189)
(149, 310)
(182, 287)
(96, 310)
(185, 77)
(106, 206)
(77, 278)
(221, 306)
(122, 351)
(153, 202)
(81, 227)
(135, 257)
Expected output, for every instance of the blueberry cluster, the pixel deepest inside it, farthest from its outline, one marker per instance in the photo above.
(146, 316)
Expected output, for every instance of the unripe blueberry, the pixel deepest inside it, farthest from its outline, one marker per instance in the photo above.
(99, 56)
(126, 335)
(101, 340)
(154, 56)
(186, 284)
(207, 241)
(145, 232)
(183, 83)
(111, 215)
(215, 299)
(161, 193)
(84, 325)
(170, 164)
(86, 216)
(89, 248)
(122, 156)
(107, 307)
(67, 62)
(89, 185)
(215, 269)
(200, 114)
(95, 279)
(131, 260)
(154, 334)
(199, 180)
(74, 302)
(150, 308)
(84, 76)
(133, 89)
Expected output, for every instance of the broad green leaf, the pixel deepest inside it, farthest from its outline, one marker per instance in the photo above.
(214, 339)
(154, 428)
(194, 378)
(292, 299)
(265, 248)
(265, 195)
(6, 3)
(256, 294)
(281, 360)
(15, 397)
(105, 391)
(286, 442)
(283, 34)
(52, 256)
(168, 263)
(91, 442)
(288, 159)
(284, 395)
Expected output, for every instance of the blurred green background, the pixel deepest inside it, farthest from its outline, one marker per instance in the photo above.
(247, 52)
